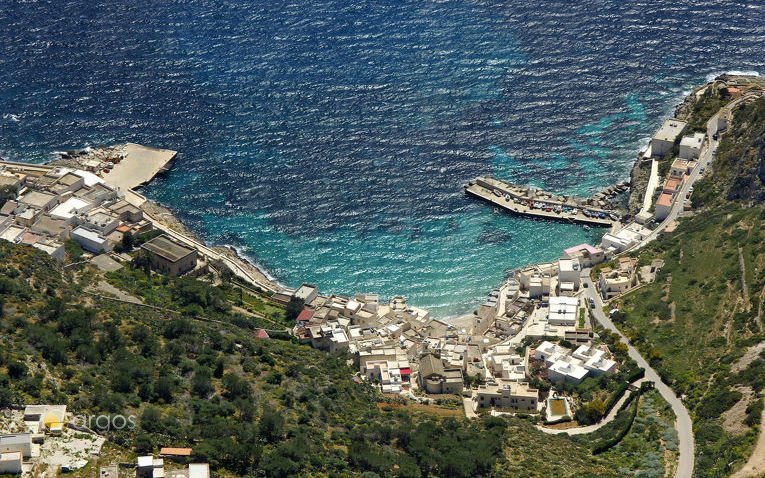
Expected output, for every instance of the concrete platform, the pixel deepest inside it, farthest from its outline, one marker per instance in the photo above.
(140, 165)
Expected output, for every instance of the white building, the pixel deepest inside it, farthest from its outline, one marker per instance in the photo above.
(586, 254)
(690, 146)
(70, 209)
(91, 240)
(625, 238)
(101, 221)
(17, 443)
(563, 365)
(568, 370)
(664, 139)
(614, 282)
(563, 311)
(199, 470)
(549, 351)
(569, 272)
(681, 167)
(505, 363)
(10, 463)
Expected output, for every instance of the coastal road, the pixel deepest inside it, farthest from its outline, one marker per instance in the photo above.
(705, 161)
(683, 423)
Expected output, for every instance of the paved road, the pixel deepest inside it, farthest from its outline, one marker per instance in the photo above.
(683, 425)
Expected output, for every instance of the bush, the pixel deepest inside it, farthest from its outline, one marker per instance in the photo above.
(754, 413)
(712, 406)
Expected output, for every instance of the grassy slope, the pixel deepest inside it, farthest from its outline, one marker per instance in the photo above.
(704, 310)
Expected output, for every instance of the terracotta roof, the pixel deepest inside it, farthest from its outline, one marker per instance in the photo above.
(262, 334)
(169, 451)
(664, 200)
(305, 315)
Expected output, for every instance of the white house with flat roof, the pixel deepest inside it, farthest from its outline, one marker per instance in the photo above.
(199, 470)
(690, 146)
(10, 463)
(91, 241)
(70, 209)
(569, 272)
(41, 200)
(19, 442)
(563, 311)
(664, 139)
(307, 293)
(568, 370)
(512, 395)
(586, 254)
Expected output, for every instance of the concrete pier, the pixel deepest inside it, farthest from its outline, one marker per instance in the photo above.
(533, 203)
(140, 165)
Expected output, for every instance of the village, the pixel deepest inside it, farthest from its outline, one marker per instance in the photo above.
(524, 351)
(539, 319)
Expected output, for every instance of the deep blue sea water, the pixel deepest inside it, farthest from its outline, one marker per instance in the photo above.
(329, 139)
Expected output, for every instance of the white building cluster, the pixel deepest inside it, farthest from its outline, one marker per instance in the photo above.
(565, 366)
(45, 208)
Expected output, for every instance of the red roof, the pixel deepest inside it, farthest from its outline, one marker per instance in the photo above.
(262, 334)
(406, 371)
(664, 200)
(305, 316)
(169, 451)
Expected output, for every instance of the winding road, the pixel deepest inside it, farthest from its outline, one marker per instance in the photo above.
(683, 423)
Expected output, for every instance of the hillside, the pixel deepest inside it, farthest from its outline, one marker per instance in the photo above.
(739, 172)
(701, 322)
(246, 405)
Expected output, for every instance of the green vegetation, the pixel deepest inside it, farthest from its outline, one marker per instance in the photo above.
(704, 311)
(703, 110)
(739, 172)
(699, 317)
(641, 437)
(246, 405)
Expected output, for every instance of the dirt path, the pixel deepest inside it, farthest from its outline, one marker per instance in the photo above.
(751, 353)
(744, 288)
(756, 464)
(106, 287)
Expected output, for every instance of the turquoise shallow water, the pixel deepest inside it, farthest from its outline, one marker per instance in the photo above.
(329, 140)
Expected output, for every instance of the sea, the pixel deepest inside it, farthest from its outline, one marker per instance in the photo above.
(329, 140)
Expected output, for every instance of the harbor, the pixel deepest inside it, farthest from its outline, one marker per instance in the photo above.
(532, 202)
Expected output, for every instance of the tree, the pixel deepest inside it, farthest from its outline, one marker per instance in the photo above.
(142, 261)
(73, 250)
(127, 241)
(16, 370)
(271, 426)
(294, 308)
(235, 387)
(165, 388)
(201, 384)
(151, 419)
